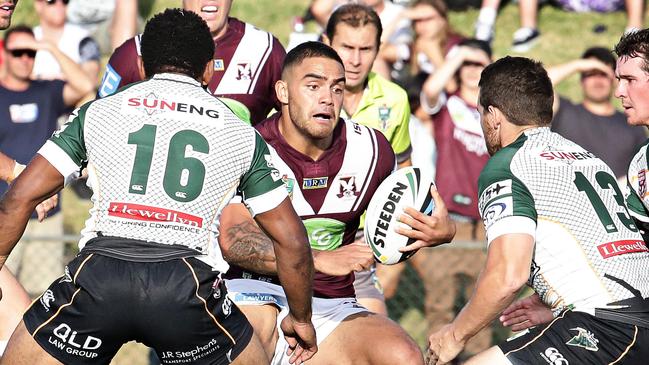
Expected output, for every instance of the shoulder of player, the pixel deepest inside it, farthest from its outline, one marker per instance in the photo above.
(353, 128)
(499, 165)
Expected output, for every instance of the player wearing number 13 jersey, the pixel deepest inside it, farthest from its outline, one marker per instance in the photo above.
(163, 158)
(554, 215)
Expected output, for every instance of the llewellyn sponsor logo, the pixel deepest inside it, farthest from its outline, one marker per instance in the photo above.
(152, 214)
(611, 249)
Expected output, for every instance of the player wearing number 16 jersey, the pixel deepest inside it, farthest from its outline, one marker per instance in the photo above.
(163, 158)
(554, 216)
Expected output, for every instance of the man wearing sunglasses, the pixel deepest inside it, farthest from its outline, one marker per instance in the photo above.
(28, 115)
(74, 41)
(595, 119)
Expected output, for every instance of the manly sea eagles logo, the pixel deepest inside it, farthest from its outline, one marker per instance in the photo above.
(244, 71)
(348, 187)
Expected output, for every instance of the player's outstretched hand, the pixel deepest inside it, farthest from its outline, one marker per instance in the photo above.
(443, 347)
(45, 206)
(301, 340)
(427, 230)
(343, 260)
(525, 313)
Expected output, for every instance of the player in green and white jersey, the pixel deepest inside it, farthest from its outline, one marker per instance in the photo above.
(633, 92)
(163, 157)
(556, 219)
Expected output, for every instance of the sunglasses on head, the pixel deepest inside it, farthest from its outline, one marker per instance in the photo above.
(52, 2)
(21, 52)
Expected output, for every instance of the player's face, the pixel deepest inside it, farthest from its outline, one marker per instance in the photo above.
(357, 47)
(214, 12)
(6, 11)
(315, 96)
(491, 135)
(19, 61)
(633, 89)
(428, 23)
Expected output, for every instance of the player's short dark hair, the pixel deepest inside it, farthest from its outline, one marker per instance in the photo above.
(356, 16)
(308, 50)
(601, 54)
(520, 88)
(177, 41)
(635, 44)
(20, 28)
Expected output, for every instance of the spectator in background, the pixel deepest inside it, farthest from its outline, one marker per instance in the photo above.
(28, 116)
(7, 10)
(527, 35)
(354, 31)
(433, 38)
(592, 122)
(72, 40)
(110, 22)
(247, 60)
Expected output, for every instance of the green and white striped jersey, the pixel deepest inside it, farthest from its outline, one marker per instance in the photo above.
(587, 245)
(637, 196)
(164, 157)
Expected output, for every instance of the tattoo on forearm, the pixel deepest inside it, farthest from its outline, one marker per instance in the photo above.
(251, 249)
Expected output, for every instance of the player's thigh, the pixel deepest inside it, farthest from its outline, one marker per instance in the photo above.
(368, 338)
(263, 319)
(254, 353)
(491, 356)
(23, 350)
(14, 302)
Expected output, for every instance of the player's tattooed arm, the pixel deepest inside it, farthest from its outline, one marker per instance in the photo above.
(248, 246)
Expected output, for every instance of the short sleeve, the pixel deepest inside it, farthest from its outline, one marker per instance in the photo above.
(121, 69)
(261, 186)
(400, 140)
(505, 204)
(66, 149)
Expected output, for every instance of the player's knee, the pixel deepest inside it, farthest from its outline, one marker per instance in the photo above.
(405, 352)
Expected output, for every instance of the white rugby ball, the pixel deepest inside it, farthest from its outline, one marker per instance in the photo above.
(405, 187)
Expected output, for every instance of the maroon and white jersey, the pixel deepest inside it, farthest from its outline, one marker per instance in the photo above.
(461, 155)
(247, 63)
(330, 194)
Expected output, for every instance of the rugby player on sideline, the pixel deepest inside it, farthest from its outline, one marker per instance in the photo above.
(164, 157)
(325, 163)
(556, 219)
(247, 60)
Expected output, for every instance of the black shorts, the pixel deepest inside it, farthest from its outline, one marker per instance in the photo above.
(579, 338)
(172, 306)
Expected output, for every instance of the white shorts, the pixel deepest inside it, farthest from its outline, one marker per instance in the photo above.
(327, 313)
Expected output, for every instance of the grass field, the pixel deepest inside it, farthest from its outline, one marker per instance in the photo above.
(564, 37)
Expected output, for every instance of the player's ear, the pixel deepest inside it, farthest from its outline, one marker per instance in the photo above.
(326, 40)
(140, 68)
(208, 73)
(281, 89)
(495, 116)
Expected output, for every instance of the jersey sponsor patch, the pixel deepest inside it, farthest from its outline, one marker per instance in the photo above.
(109, 82)
(497, 210)
(551, 153)
(584, 339)
(616, 248)
(494, 191)
(155, 214)
(219, 65)
(315, 183)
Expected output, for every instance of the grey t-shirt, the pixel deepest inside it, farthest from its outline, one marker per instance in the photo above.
(608, 137)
